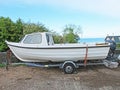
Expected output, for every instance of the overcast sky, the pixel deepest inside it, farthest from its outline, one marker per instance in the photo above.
(97, 18)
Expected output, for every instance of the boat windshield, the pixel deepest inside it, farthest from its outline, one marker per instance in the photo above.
(33, 39)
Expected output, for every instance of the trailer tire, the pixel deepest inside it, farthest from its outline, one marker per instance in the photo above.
(69, 68)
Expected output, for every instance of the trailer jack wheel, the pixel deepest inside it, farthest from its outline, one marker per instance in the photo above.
(69, 68)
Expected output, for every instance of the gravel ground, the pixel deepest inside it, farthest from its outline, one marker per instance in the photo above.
(34, 78)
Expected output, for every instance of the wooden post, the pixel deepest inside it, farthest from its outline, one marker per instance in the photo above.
(8, 59)
(86, 55)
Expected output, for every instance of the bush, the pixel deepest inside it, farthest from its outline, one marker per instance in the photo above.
(9, 31)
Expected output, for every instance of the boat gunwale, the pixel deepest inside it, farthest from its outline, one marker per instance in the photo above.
(71, 47)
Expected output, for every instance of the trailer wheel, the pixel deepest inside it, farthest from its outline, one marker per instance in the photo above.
(69, 68)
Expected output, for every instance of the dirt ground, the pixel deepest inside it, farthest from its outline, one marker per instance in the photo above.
(34, 78)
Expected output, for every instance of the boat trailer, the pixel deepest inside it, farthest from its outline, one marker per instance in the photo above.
(69, 66)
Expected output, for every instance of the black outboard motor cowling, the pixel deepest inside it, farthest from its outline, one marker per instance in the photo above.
(112, 48)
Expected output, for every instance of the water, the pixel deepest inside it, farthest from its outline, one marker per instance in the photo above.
(91, 40)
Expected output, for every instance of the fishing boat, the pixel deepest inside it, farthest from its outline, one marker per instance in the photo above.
(40, 47)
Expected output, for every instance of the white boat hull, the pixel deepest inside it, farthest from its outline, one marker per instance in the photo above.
(59, 53)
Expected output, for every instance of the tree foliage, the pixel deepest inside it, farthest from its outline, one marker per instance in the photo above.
(9, 31)
(32, 27)
(57, 38)
(13, 31)
(70, 33)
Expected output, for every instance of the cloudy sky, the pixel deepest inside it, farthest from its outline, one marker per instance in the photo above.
(97, 18)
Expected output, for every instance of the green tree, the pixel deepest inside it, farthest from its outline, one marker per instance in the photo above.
(57, 38)
(9, 31)
(32, 27)
(5, 27)
(71, 33)
(19, 29)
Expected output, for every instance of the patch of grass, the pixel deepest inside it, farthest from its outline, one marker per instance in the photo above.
(2, 65)
(18, 64)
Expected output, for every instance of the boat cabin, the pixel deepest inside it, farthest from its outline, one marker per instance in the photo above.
(44, 38)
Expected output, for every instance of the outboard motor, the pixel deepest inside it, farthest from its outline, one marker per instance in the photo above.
(111, 60)
(112, 48)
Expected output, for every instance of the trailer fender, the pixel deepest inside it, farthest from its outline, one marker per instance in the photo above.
(71, 62)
